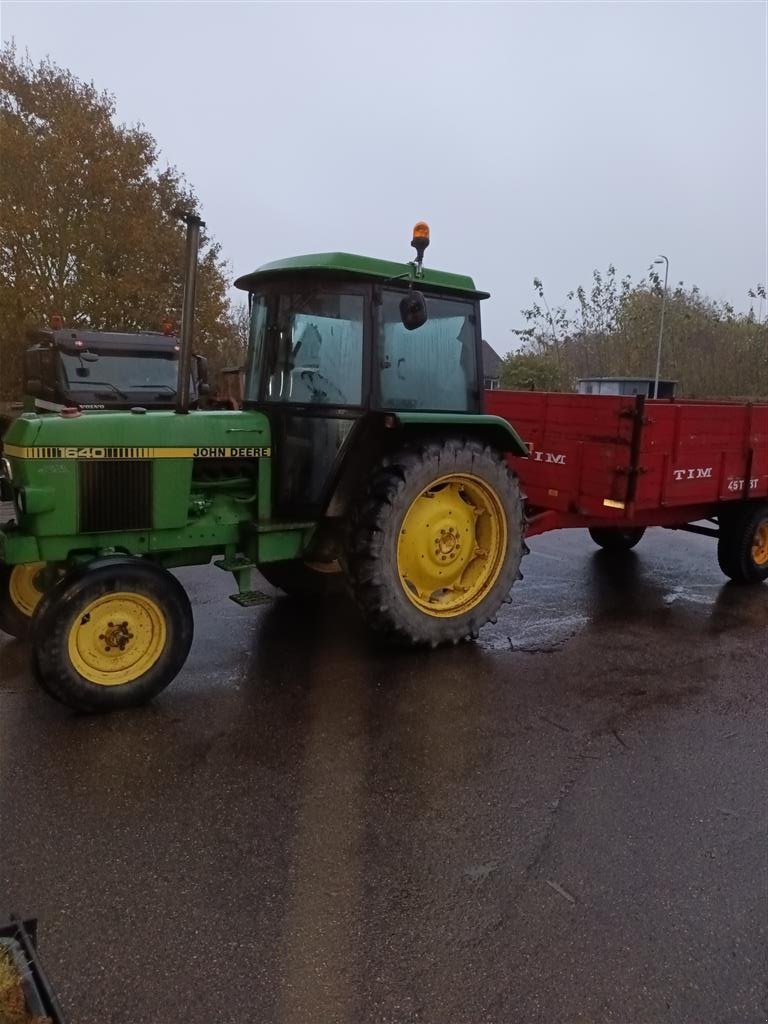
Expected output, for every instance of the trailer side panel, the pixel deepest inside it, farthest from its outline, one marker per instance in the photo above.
(615, 458)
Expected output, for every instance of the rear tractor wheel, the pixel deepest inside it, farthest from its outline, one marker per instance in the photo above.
(614, 538)
(742, 547)
(21, 590)
(111, 635)
(436, 542)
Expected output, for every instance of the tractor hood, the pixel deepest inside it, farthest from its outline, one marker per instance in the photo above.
(123, 479)
(134, 435)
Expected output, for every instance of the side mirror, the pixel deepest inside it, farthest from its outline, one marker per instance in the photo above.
(202, 373)
(413, 311)
(34, 387)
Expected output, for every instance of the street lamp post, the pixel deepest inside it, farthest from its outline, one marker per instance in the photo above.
(665, 261)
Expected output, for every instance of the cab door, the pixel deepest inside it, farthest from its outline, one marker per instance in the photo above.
(315, 388)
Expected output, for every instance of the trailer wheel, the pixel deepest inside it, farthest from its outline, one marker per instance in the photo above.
(111, 635)
(21, 589)
(614, 538)
(436, 542)
(742, 547)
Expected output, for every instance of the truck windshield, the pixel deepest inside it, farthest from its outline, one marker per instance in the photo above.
(312, 343)
(121, 372)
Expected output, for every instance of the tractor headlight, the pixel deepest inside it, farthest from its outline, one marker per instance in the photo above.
(34, 500)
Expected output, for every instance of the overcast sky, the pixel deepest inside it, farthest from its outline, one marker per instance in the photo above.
(536, 139)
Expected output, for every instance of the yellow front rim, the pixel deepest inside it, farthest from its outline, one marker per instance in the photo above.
(117, 638)
(760, 544)
(22, 586)
(452, 545)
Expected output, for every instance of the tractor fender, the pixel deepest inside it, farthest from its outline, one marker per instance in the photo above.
(499, 432)
(373, 436)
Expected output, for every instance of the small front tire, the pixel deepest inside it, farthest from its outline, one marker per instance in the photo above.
(21, 590)
(111, 635)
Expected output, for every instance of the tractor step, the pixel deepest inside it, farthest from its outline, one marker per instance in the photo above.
(237, 564)
(250, 598)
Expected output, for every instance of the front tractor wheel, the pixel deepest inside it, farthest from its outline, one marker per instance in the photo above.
(436, 542)
(111, 635)
(21, 589)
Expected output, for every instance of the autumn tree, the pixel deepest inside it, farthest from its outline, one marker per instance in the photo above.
(611, 329)
(531, 371)
(87, 229)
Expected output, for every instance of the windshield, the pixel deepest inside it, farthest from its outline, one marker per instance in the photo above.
(312, 342)
(120, 373)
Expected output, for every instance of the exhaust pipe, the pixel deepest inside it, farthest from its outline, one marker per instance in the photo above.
(194, 223)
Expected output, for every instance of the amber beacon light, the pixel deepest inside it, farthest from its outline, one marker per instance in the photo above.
(420, 239)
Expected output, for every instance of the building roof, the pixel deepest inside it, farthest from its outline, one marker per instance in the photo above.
(363, 266)
(491, 361)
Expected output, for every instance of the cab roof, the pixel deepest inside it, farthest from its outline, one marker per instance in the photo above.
(347, 264)
(116, 341)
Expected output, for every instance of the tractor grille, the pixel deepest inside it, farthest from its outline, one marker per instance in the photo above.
(115, 496)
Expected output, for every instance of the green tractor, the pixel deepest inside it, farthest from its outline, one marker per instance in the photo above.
(361, 456)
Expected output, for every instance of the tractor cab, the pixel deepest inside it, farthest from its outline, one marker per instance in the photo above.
(338, 343)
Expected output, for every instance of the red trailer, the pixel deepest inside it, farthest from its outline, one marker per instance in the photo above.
(617, 465)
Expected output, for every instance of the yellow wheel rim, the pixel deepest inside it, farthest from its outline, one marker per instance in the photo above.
(452, 545)
(117, 638)
(22, 586)
(760, 544)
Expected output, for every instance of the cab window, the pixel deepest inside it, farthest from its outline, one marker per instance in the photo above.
(434, 367)
(316, 349)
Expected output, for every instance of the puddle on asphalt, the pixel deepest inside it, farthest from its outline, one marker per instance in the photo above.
(538, 636)
(714, 607)
(702, 594)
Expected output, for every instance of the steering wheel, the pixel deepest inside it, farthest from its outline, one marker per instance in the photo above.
(312, 377)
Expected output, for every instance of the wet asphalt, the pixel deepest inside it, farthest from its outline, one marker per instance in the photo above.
(563, 822)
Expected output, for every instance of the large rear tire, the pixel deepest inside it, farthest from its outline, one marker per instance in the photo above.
(616, 538)
(436, 542)
(111, 635)
(742, 547)
(21, 590)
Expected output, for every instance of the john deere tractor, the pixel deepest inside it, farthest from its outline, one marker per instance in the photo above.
(361, 455)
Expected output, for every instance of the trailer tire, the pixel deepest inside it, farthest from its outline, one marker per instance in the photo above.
(111, 635)
(742, 546)
(399, 543)
(616, 538)
(19, 596)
